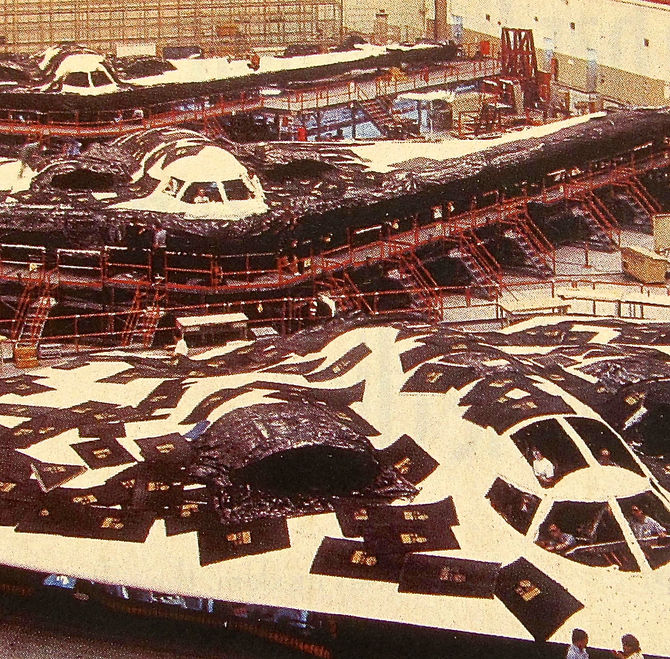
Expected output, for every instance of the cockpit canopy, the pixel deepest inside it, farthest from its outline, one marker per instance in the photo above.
(77, 70)
(593, 502)
(192, 175)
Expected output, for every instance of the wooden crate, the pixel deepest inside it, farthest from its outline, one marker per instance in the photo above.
(25, 356)
(646, 266)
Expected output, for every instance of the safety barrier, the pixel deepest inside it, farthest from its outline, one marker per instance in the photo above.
(106, 123)
(129, 267)
(289, 314)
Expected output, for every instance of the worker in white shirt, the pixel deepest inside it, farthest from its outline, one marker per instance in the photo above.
(577, 650)
(543, 468)
(180, 354)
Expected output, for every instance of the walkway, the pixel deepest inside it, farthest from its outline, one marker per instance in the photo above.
(112, 266)
(38, 125)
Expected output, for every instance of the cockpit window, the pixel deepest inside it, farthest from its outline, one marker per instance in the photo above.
(76, 79)
(100, 79)
(202, 193)
(549, 450)
(587, 533)
(606, 447)
(236, 190)
(649, 521)
(515, 506)
(174, 185)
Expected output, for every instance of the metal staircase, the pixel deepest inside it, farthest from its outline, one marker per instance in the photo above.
(215, 129)
(381, 116)
(32, 311)
(143, 318)
(349, 297)
(644, 196)
(489, 119)
(424, 288)
(539, 252)
(479, 262)
(634, 193)
(603, 226)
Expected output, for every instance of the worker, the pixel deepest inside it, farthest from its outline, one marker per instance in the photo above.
(201, 197)
(180, 354)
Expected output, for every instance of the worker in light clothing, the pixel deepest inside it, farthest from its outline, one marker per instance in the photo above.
(577, 650)
(630, 648)
(543, 468)
(180, 354)
(158, 252)
(644, 526)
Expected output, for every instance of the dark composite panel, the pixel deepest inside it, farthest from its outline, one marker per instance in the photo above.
(166, 395)
(438, 378)
(410, 537)
(172, 448)
(342, 365)
(337, 397)
(418, 355)
(408, 459)
(257, 537)
(299, 368)
(87, 522)
(541, 604)
(50, 476)
(439, 575)
(210, 403)
(22, 385)
(102, 453)
(354, 519)
(349, 558)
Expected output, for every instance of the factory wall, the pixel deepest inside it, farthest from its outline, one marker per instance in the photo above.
(616, 47)
(406, 19)
(30, 25)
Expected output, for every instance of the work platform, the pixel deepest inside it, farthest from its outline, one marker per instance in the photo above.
(203, 110)
(289, 292)
(130, 267)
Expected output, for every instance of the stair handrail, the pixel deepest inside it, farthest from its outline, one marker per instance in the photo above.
(484, 260)
(148, 323)
(133, 317)
(643, 195)
(42, 309)
(538, 241)
(431, 300)
(603, 215)
(355, 293)
(31, 291)
(422, 275)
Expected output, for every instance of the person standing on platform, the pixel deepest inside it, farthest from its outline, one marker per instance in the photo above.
(577, 650)
(158, 252)
(180, 354)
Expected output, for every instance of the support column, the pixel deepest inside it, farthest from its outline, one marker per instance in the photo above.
(441, 26)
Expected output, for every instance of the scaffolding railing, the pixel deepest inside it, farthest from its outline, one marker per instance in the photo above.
(128, 266)
(288, 314)
(34, 123)
(343, 93)
(109, 123)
